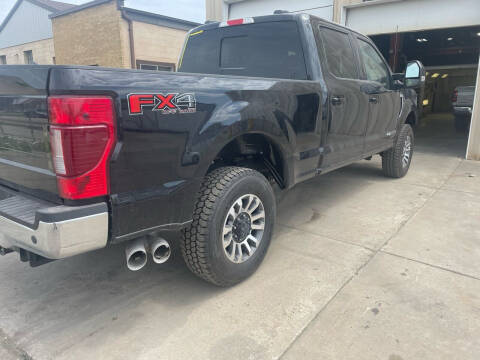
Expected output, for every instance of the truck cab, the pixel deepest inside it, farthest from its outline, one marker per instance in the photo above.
(354, 101)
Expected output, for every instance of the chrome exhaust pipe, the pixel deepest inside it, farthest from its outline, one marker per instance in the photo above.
(136, 254)
(160, 250)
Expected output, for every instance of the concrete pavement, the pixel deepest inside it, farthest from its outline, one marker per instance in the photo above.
(360, 267)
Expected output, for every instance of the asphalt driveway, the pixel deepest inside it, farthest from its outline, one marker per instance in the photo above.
(360, 267)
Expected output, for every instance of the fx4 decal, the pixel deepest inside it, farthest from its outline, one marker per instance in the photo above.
(170, 103)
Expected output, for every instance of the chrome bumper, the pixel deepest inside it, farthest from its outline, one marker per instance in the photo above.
(462, 110)
(59, 231)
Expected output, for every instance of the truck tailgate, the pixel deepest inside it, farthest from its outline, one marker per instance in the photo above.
(465, 95)
(25, 158)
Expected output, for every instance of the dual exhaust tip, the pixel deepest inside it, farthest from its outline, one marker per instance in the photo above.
(136, 252)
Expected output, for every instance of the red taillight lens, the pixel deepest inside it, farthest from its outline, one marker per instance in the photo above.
(78, 149)
(82, 137)
(455, 96)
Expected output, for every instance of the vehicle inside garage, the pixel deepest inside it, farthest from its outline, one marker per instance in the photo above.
(445, 36)
(450, 57)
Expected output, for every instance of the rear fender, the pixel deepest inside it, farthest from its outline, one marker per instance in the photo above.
(220, 139)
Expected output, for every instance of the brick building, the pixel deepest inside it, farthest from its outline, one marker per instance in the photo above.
(100, 32)
(105, 33)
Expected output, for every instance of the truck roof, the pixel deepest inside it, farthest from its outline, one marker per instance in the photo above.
(468, 88)
(258, 19)
(272, 18)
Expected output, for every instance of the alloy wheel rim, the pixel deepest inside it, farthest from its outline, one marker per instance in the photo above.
(243, 228)
(407, 151)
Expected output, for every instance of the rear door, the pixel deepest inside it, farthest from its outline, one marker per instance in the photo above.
(384, 102)
(348, 105)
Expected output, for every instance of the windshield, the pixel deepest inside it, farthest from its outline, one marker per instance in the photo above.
(270, 50)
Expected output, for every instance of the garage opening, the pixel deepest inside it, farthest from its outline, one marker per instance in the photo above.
(451, 60)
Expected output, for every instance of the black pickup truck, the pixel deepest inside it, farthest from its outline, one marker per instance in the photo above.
(91, 157)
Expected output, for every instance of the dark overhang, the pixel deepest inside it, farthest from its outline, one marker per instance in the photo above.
(160, 20)
(79, 8)
(52, 5)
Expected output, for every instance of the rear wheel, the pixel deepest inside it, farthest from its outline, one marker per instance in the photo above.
(232, 226)
(396, 161)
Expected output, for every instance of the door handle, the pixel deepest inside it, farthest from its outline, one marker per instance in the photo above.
(337, 100)
(373, 100)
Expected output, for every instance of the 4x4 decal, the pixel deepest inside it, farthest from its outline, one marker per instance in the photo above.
(169, 103)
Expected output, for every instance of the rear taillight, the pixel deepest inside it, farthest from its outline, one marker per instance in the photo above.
(82, 138)
(455, 96)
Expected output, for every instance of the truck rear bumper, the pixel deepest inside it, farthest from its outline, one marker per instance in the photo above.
(462, 110)
(53, 232)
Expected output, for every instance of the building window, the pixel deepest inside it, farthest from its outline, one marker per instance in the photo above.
(3, 60)
(155, 66)
(28, 56)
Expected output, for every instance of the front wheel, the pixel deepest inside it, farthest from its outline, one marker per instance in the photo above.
(232, 226)
(396, 161)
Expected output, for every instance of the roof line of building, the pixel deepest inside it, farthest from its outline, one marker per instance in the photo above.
(53, 4)
(12, 11)
(157, 19)
(134, 14)
(370, 3)
(17, 4)
(79, 8)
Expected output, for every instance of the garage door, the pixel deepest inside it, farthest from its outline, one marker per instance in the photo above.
(412, 15)
(321, 8)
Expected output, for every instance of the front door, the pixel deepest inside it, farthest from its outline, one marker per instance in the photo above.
(348, 106)
(384, 102)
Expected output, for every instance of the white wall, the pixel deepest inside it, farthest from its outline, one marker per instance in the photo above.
(29, 23)
(412, 15)
(473, 148)
(321, 8)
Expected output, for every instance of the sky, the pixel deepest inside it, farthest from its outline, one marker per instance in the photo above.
(193, 10)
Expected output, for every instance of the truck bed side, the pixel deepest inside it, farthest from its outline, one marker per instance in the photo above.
(160, 158)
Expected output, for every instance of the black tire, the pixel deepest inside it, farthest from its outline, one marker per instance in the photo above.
(393, 163)
(202, 244)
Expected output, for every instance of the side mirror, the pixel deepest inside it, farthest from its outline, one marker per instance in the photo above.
(414, 75)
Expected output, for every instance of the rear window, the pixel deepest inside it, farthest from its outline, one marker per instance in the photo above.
(261, 50)
(339, 54)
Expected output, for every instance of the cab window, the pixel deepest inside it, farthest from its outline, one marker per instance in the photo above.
(338, 53)
(375, 68)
